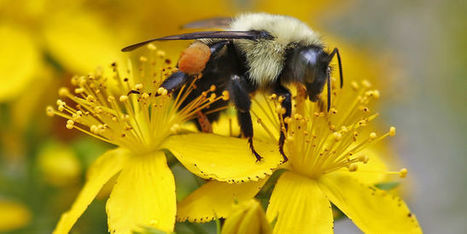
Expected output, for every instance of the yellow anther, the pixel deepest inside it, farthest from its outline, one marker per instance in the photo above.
(212, 97)
(355, 134)
(337, 136)
(74, 80)
(161, 53)
(79, 90)
(138, 86)
(152, 46)
(145, 96)
(98, 109)
(366, 83)
(298, 116)
(362, 122)
(82, 80)
(63, 91)
(281, 99)
(403, 172)
(50, 111)
(353, 167)
(90, 98)
(273, 96)
(392, 131)
(110, 98)
(333, 111)
(143, 59)
(280, 110)
(287, 120)
(93, 128)
(175, 128)
(373, 135)
(376, 94)
(212, 88)
(162, 91)
(354, 85)
(364, 159)
(69, 124)
(123, 98)
(225, 95)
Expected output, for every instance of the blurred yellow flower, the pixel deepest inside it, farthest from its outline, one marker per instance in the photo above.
(32, 30)
(126, 107)
(13, 215)
(59, 164)
(247, 217)
(328, 163)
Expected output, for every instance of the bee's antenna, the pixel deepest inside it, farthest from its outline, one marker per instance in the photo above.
(340, 67)
(341, 76)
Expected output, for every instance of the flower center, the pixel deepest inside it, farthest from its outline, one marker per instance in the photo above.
(128, 107)
(320, 142)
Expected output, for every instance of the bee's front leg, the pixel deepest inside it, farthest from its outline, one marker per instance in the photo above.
(286, 103)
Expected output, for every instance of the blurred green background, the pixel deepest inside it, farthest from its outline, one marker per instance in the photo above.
(421, 46)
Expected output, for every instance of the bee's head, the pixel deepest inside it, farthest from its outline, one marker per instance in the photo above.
(309, 65)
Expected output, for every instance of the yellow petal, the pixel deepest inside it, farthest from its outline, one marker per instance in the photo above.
(299, 206)
(371, 209)
(80, 41)
(106, 166)
(226, 125)
(13, 215)
(144, 195)
(19, 60)
(215, 199)
(247, 217)
(223, 158)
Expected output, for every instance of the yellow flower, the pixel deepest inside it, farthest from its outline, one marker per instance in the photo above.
(59, 164)
(33, 30)
(126, 107)
(247, 217)
(13, 215)
(330, 161)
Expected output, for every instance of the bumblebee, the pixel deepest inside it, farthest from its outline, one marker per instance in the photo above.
(255, 52)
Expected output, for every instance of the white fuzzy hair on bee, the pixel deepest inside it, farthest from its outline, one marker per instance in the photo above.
(266, 58)
(254, 52)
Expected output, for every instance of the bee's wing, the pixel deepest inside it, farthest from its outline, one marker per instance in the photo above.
(249, 35)
(218, 22)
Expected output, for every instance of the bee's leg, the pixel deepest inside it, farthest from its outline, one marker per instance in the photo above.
(286, 103)
(175, 81)
(240, 97)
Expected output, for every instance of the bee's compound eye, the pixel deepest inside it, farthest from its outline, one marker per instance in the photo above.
(194, 58)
